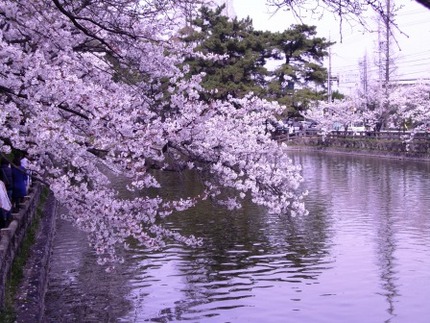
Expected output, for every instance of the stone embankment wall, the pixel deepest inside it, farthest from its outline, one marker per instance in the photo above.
(12, 237)
(31, 292)
(29, 300)
(395, 148)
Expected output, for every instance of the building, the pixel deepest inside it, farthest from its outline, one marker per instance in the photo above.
(228, 10)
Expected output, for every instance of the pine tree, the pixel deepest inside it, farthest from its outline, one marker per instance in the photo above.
(297, 79)
(245, 53)
(241, 70)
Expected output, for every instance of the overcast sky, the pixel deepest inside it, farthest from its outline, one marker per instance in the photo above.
(412, 54)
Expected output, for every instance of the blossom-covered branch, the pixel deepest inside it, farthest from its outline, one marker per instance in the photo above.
(96, 91)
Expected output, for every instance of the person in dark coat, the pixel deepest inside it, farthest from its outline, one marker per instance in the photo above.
(6, 174)
(19, 184)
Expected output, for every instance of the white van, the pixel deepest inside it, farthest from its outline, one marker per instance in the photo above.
(357, 127)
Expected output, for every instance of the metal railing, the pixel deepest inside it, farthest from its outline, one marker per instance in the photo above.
(382, 135)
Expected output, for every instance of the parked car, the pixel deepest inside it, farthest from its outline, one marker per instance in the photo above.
(280, 127)
(337, 126)
(357, 127)
(307, 124)
(294, 125)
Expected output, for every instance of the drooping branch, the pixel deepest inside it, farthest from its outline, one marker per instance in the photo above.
(425, 3)
(345, 10)
(75, 22)
(65, 107)
(338, 7)
(119, 115)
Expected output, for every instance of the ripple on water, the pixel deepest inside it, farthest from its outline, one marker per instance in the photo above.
(362, 255)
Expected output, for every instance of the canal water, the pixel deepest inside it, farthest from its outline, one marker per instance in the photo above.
(361, 255)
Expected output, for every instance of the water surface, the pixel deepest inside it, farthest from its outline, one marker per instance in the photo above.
(361, 255)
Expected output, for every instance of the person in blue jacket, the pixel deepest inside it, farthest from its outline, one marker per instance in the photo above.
(19, 184)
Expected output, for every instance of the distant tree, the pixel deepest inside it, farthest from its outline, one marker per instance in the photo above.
(408, 109)
(297, 79)
(336, 95)
(333, 115)
(239, 67)
(243, 56)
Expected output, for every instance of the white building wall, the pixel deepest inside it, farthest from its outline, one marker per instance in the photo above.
(229, 9)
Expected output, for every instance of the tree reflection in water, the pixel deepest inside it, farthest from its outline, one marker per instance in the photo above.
(360, 256)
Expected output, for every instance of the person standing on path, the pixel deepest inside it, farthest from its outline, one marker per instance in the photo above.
(5, 206)
(19, 184)
(6, 178)
(24, 163)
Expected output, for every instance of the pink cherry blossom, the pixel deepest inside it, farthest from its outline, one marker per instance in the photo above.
(95, 91)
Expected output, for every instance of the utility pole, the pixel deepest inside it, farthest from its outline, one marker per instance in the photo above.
(364, 76)
(387, 45)
(330, 78)
(329, 91)
(385, 59)
(379, 63)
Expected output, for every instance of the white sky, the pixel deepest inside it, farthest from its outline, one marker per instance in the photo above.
(412, 56)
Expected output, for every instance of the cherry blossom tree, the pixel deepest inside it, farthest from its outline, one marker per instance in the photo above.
(335, 115)
(411, 103)
(396, 106)
(401, 105)
(93, 90)
(376, 106)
